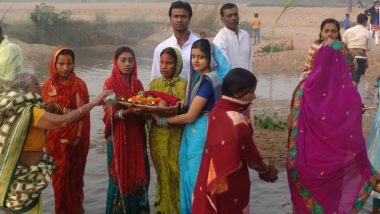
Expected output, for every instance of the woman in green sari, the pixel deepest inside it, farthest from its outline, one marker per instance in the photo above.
(164, 142)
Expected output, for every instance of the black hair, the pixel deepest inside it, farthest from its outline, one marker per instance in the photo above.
(123, 49)
(203, 45)
(375, 2)
(361, 18)
(256, 15)
(330, 21)
(238, 82)
(226, 6)
(171, 52)
(181, 5)
(67, 52)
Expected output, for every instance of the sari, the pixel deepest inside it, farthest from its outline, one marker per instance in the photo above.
(127, 159)
(164, 146)
(10, 61)
(70, 158)
(327, 165)
(194, 134)
(223, 184)
(373, 142)
(20, 186)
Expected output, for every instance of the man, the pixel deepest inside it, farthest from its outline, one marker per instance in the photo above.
(359, 40)
(373, 12)
(10, 60)
(180, 14)
(234, 42)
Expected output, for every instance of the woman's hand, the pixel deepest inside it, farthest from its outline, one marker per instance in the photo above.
(51, 107)
(154, 116)
(99, 100)
(270, 174)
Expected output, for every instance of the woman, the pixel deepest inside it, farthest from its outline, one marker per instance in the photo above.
(329, 29)
(126, 147)
(68, 146)
(164, 141)
(223, 184)
(373, 143)
(327, 164)
(204, 89)
(25, 168)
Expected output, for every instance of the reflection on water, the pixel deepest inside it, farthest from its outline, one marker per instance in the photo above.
(273, 95)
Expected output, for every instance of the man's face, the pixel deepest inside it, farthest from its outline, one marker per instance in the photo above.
(230, 18)
(180, 19)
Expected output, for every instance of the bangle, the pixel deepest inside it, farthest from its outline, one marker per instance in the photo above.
(120, 114)
(265, 171)
(162, 122)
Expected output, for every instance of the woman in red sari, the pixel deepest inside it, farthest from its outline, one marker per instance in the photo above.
(223, 183)
(64, 91)
(127, 158)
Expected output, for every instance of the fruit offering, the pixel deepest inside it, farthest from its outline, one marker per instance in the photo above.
(142, 100)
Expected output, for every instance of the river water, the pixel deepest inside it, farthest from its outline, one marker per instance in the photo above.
(273, 96)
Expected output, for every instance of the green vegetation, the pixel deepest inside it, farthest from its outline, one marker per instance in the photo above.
(271, 48)
(47, 26)
(266, 122)
(44, 15)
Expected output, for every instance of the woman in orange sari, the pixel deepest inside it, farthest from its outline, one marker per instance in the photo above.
(69, 146)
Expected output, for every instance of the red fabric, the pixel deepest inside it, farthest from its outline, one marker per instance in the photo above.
(70, 159)
(223, 183)
(169, 99)
(128, 162)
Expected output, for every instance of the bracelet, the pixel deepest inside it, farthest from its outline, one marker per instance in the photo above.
(162, 122)
(265, 171)
(120, 114)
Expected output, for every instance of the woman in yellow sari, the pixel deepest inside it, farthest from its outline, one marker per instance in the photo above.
(164, 142)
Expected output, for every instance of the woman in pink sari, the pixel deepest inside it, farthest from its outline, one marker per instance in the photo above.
(327, 164)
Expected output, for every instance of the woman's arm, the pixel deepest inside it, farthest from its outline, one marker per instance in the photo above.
(55, 121)
(193, 113)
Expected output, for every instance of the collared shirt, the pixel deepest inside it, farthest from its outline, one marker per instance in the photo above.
(185, 52)
(358, 37)
(237, 48)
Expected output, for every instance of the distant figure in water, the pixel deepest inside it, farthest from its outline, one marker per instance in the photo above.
(84, 1)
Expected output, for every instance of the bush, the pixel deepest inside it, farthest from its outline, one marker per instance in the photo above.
(271, 48)
(44, 15)
(266, 122)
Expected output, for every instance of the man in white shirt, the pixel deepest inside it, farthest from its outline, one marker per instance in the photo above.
(180, 14)
(359, 40)
(234, 42)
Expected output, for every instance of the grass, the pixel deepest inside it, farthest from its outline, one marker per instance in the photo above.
(269, 48)
(264, 121)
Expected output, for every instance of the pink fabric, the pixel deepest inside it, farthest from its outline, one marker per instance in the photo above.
(331, 159)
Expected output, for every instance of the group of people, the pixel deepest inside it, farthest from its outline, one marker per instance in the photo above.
(201, 168)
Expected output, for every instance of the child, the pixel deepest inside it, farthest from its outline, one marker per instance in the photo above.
(256, 24)
(164, 141)
(223, 176)
(373, 143)
(346, 21)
